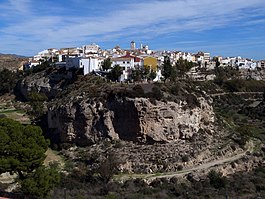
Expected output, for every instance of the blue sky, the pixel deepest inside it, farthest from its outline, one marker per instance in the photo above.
(221, 27)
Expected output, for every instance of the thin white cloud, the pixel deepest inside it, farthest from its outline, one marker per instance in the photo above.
(144, 19)
(22, 6)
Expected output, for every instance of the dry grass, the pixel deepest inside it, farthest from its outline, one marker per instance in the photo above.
(53, 157)
(7, 108)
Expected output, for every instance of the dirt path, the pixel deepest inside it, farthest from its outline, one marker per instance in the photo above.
(206, 165)
(203, 166)
(235, 93)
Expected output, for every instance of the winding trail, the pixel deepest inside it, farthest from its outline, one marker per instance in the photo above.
(235, 93)
(203, 166)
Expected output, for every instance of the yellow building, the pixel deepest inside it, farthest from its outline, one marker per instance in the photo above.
(150, 62)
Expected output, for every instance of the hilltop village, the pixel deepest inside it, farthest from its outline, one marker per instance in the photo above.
(91, 58)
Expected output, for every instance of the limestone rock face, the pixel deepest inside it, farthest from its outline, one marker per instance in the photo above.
(40, 84)
(170, 121)
(49, 83)
(86, 121)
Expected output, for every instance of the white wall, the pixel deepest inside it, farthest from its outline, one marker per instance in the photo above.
(89, 64)
(126, 64)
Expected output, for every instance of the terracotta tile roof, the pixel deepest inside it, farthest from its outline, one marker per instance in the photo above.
(121, 59)
(137, 59)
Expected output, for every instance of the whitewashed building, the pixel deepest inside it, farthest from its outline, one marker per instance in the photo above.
(91, 48)
(128, 63)
(30, 64)
(89, 64)
(261, 64)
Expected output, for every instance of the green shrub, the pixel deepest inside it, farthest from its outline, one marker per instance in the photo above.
(179, 167)
(138, 90)
(185, 158)
(216, 179)
(192, 100)
(36, 101)
(41, 181)
(175, 89)
(157, 93)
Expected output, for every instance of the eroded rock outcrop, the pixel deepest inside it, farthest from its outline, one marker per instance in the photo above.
(85, 121)
(49, 82)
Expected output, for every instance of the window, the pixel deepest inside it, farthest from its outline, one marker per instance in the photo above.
(128, 62)
(124, 62)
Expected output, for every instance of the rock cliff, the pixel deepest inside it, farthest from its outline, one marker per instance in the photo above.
(49, 81)
(85, 121)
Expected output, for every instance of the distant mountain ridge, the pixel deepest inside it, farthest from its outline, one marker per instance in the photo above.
(11, 61)
(14, 55)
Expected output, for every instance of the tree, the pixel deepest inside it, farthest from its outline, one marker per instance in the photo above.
(41, 181)
(108, 167)
(152, 75)
(36, 101)
(220, 76)
(136, 75)
(22, 148)
(143, 73)
(225, 73)
(182, 67)
(167, 68)
(115, 73)
(173, 74)
(106, 64)
(178, 70)
(8, 80)
(217, 63)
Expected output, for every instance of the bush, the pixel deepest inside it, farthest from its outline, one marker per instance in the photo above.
(192, 101)
(108, 167)
(157, 93)
(36, 101)
(179, 167)
(175, 89)
(245, 131)
(234, 85)
(216, 179)
(41, 181)
(138, 91)
(2, 116)
(117, 144)
(8, 80)
(185, 158)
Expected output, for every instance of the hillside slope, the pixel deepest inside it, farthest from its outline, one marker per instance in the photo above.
(11, 62)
